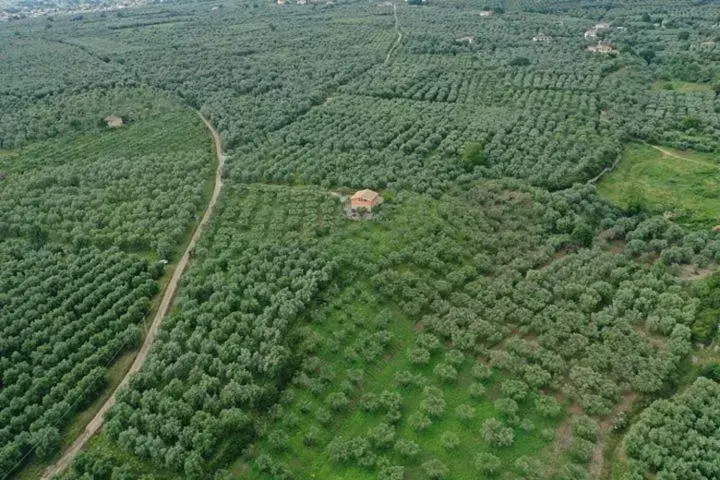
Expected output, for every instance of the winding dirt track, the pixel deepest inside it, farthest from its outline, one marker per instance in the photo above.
(167, 299)
(659, 149)
(679, 157)
(668, 152)
(399, 38)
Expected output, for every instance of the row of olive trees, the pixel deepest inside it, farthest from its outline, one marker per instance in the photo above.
(63, 319)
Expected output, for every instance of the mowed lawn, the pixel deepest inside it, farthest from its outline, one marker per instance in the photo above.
(688, 187)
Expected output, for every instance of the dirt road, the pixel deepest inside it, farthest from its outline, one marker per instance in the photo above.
(399, 38)
(659, 149)
(606, 170)
(680, 157)
(668, 152)
(165, 304)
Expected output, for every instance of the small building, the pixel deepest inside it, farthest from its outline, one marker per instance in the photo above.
(467, 38)
(487, 13)
(367, 199)
(113, 121)
(593, 32)
(602, 48)
(281, 2)
(541, 37)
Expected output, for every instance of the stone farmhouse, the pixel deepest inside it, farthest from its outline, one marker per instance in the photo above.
(367, 199)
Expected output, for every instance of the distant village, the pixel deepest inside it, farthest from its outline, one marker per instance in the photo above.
(28, 11)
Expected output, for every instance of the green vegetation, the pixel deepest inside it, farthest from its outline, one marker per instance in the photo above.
(411, 347)
(680, 86)
(497, 317)
(145, 184)
(84, 221)
(686, 187)
(678, 437)
(473, 154)
(705, 327)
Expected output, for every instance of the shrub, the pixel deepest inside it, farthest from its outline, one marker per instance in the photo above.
(465, 412)
(476, 390)
(581, 450)
(419, 421)
(520, 62)
(547, 406)
(487, 463)
(337, 401)
(446, 372)
(407, 448)
(481, 371)
(449, 440)
(584, 427)
(473, 154)
(382, 435)
(418, 356)
(496, 434)
(435, 469)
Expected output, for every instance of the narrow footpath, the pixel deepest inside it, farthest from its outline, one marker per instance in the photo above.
(680, 157)
(167, 299)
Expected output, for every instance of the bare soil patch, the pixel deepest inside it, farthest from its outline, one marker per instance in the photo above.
(693, 273)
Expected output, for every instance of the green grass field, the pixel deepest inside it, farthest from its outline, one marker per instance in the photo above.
(687, 187)
(358, 312)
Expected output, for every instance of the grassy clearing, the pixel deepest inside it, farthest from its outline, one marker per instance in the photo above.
(357, 312)
(678, 86)
(688, 187)
(341, 328)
